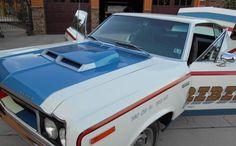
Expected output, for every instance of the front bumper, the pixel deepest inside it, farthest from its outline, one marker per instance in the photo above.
(27, 132)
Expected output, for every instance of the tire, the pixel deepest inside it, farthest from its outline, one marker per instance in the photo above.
(148, 137)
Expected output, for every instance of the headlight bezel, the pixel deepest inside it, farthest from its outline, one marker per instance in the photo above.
(51, 129)
(59, 124)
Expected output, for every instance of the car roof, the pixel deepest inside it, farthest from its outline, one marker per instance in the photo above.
(184, 19)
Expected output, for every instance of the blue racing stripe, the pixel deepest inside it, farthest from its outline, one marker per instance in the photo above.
(208, 15)
(35, 77)
(209, 112)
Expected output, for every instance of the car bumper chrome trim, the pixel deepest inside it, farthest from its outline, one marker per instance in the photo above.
(24, 130)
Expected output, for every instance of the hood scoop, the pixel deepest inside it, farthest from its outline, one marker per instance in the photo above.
(83, 60)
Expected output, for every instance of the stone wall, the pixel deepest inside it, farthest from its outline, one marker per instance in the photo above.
(94, 18)
(38, 17)
(215, 3)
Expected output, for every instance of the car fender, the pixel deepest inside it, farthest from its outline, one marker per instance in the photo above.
(149, 121)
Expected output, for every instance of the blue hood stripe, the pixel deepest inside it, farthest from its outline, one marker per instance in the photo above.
(37, 82)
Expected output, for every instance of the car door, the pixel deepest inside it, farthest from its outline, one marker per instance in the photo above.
(213, 89)
(78, 29)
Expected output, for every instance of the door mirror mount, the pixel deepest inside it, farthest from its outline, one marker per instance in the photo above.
(228, 57)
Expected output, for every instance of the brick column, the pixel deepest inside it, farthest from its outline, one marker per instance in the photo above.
(147, 7)
(94, 14)
(38, 17)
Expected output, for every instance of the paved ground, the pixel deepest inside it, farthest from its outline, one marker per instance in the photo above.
(185, 131)
(200, 131)
(17, 38)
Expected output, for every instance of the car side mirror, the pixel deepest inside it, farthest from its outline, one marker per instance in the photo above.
(228, 57)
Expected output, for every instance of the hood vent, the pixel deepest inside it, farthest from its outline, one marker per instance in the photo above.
(83, 60)
(71, 63)
(50, 55)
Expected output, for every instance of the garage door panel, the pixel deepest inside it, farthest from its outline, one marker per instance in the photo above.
(59, 15)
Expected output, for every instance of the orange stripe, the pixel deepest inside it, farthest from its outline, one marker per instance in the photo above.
(129, 108)
(102, 135)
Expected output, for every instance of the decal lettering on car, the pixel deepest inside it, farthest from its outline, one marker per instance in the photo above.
(208, 94)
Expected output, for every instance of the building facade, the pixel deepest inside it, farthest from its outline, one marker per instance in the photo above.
(54, 16)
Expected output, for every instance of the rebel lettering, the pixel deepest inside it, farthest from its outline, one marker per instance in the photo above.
(191, 93)
(202, 93)
(215, 93)
(229, 93)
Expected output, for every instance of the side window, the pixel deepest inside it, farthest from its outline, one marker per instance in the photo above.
(211, 53)
(203, 37)
(206, 30)
(217, 31)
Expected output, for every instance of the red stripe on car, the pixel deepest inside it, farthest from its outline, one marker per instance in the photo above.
(213, 73)
(71, 35)
(232, 51)
(2, 94)
(129, 108)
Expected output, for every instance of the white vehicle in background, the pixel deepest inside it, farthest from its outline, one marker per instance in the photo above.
(224, 17)
(132, 74)
(78, 28)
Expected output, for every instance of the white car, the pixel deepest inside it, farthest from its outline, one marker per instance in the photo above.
(116, 87)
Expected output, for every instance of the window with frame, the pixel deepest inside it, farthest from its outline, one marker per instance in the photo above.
(161, 2)
(203, 48)
(183, 2)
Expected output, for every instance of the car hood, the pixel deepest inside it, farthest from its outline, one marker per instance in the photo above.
(37, 76)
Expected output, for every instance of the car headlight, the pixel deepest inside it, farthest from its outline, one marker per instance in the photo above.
(62, 135)
(51, 128)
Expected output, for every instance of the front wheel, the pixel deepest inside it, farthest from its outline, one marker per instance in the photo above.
(148, 137)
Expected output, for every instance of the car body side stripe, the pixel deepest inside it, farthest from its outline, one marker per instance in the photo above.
(2, 94)
(213, 73)
(129, 108)
(232, 50)
(71, 35)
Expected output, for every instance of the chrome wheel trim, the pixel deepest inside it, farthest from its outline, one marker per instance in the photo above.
(146, 138)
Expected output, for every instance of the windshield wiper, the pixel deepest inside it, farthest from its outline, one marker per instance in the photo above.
(92, 37)
(134, 47)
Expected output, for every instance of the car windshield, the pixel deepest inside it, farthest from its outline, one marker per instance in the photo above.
(160, 37)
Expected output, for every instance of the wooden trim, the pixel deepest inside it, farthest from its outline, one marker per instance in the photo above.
(147, 6)
(37, 3)
(95, 4)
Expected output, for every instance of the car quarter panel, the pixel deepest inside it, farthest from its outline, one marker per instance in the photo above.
(164, 93)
